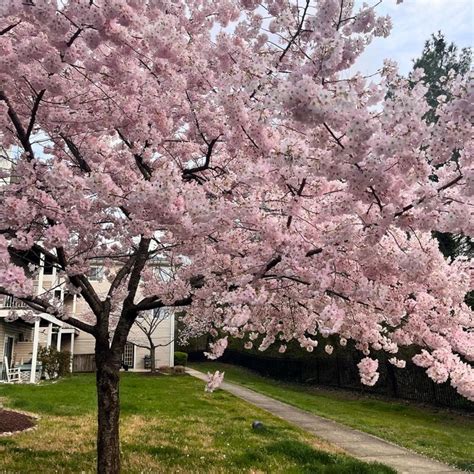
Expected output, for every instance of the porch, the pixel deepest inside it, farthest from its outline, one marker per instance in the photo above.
(20, 341)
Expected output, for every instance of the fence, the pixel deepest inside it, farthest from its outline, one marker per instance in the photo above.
(83, 363)
(410, 383)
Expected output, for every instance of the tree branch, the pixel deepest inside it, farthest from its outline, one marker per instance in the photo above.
(139, 263)
(337, 140)
(144, 168)
(34, 111)
(20, 131)
(82, 163)
(440, 189)
(298, 31)
(8, 28)
(121, 274)
(152, 302)
(298, 193)
(39, 305)
(207, 161)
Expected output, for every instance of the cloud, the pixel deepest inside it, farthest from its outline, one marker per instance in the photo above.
(413, 23)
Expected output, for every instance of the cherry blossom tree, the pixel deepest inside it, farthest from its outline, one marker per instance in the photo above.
(228, 137)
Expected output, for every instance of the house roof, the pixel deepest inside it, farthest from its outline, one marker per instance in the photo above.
(46, 317)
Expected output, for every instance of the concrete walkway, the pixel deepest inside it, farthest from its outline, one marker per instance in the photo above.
(360, 445)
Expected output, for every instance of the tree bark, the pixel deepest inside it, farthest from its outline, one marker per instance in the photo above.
(152, 357)
(107, 377)
(152, 352)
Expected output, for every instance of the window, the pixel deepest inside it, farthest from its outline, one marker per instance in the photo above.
(48, 266)
(8, 349)
(128, 355)
(95, 273)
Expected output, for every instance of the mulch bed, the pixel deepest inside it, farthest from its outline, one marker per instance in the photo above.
(11, 421)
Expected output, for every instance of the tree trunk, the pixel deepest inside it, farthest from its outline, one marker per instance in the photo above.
(107, 375)
(152, 358)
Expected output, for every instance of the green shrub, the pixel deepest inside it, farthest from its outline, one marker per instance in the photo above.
(180, 358)
(54, 363)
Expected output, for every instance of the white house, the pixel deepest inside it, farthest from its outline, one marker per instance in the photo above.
(20, 338)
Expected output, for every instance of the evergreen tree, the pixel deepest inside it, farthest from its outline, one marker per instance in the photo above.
(439, 60)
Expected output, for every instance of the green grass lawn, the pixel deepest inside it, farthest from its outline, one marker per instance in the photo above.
(168, 424)
(437, 433)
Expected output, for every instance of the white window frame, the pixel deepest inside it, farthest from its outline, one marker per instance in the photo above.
(96, 273)
(129, 357)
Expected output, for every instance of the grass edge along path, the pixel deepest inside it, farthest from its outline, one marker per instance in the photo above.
(168, 425)
(436, 433)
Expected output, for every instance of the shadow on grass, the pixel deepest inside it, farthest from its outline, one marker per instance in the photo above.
(308, 459)
(48, 459)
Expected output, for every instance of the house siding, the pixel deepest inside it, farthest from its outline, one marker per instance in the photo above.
(14, 328)
(85, 343)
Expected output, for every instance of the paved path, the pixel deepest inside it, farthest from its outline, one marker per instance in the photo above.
(360, 445)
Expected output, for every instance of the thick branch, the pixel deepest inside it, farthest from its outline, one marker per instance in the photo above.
(152, 302)
(82, 163)
(74, 37)
(8, 28)
(37, 304)
(34, 111)
(144, 168)
(190, 171)
(141, 257)
(20, 131)
(121, 274)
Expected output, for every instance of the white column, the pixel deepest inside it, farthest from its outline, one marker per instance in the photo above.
(35, 351)
(49, 335)
(172, 338)
(58, 340)
(41, 275)
(72, 348)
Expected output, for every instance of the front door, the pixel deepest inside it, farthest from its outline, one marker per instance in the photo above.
(8, 349)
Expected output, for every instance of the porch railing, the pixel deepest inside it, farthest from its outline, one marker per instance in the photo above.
(12, 302)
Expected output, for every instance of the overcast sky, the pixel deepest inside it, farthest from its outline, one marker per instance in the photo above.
(413, 23)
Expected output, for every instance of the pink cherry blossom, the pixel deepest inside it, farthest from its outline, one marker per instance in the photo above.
(368, 371)
(214, 381)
